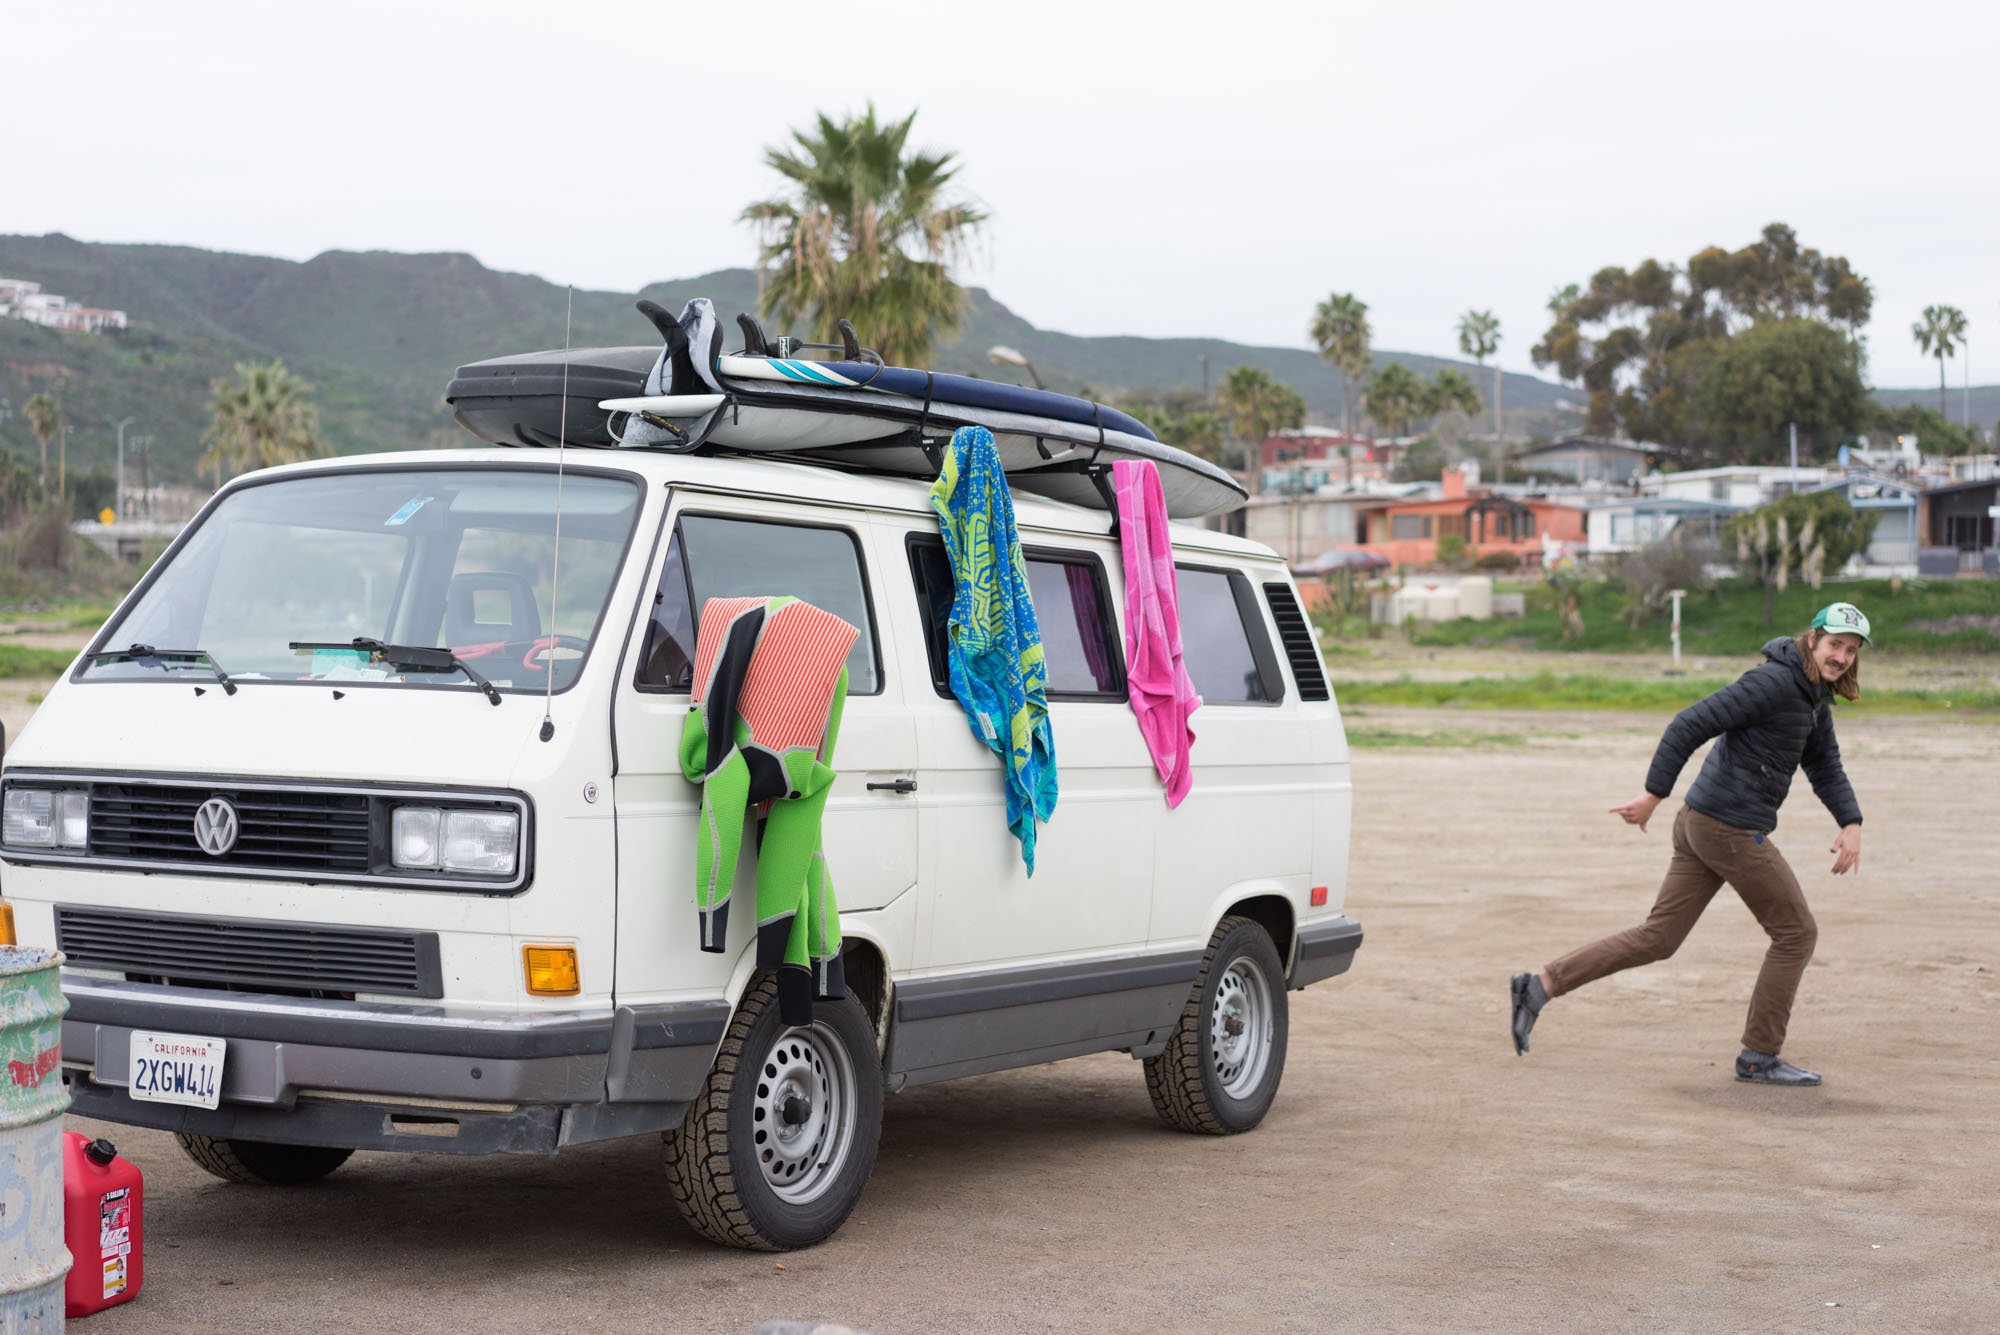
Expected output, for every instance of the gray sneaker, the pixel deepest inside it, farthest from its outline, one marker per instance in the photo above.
(1773, 1072)
(1520, 990)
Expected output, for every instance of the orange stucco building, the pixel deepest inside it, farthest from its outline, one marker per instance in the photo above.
(1407, 533)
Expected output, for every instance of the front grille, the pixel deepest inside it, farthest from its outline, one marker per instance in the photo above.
(310, 831)
(250, 953)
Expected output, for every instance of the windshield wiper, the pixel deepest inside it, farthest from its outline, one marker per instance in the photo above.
(139, 653)
(408, 658)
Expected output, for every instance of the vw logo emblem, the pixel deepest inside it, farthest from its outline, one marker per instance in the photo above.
(215, 826)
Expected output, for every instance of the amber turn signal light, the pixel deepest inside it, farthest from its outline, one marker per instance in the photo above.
(7, 925)
(552, 971)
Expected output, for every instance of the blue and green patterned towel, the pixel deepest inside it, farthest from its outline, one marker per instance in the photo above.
(995, 646)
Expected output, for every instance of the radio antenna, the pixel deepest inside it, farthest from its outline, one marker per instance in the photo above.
(555, 569)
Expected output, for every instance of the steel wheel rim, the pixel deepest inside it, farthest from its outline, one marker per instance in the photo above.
(1241, 1025)
(802, 1113)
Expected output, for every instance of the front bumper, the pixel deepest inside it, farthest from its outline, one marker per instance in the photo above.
(370, 1076)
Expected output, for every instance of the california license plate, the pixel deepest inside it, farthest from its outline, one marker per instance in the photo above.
(177, 1068)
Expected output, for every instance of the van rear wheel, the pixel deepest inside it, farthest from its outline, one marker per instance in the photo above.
(774, 1151)
(1220, 1069)
(261, 1162)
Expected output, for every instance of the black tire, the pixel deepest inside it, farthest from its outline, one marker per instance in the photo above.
(260, 1162)
(742, 1172)
(1223, 1088)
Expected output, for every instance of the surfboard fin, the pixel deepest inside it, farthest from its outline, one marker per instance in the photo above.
(850, 342)
(755, 344)
(669, 327)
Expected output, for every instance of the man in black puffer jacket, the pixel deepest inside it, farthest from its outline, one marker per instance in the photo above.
(1771, 721)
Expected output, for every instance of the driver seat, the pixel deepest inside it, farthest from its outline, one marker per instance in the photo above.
(463, 626)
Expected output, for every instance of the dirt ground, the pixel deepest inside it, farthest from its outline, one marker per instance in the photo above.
(1414, 1174)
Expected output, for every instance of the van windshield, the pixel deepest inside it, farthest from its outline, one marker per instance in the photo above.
(464, 560)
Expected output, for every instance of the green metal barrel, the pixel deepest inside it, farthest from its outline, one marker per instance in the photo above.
(33, 1260)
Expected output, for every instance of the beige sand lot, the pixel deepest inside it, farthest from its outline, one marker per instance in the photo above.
(1414, 1175)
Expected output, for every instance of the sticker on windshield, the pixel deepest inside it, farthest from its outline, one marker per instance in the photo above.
(326, 660)
(410, 507)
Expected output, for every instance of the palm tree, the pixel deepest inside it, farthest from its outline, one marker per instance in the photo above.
(1257, 407)
(45, 420)
(1450, 390)
(864, 230)
(1479, 338)
(259, 419)
(1340, 329)
(1939, 334)
(1394, 395)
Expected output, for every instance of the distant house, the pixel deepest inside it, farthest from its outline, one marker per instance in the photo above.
(1960, 518)
(1407, 532)
(1304, 459)
(1623, 525)
(1894, 504)
(21, 299)
(1588, 459)
(1745, 485)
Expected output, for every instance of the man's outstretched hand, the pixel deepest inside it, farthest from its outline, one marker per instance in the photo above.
(1638, 811)
(1846, 850)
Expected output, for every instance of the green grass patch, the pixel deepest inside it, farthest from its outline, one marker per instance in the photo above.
(1389, 738)
(20, 660)
(1937, 616)
(1667, 695)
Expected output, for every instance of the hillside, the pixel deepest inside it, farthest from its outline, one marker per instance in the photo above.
(378, 334)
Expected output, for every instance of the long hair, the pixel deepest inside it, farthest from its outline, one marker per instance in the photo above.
(1848, 687)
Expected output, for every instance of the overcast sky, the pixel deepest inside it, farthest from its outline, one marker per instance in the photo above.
(1158, 169)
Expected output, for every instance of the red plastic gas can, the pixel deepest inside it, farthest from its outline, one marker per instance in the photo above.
(103, 1223)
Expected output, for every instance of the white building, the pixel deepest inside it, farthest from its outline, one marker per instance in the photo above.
(1742, 485)
(21, 299)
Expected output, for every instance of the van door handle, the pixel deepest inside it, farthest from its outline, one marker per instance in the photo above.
(894, 786)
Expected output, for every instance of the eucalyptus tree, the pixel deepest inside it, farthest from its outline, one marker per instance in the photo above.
(1340, 331)
(1940, 334)
(1479, 338)
(1641, 341)
(864, 229)
(260, 418)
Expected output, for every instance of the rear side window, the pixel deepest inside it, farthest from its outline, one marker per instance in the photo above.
(1227, 651)
(1072, 607)
(713, 557)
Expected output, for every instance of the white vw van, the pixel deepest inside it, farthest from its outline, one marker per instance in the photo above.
(361, 826)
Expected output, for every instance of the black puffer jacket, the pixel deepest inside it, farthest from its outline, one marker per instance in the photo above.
(1771, 721)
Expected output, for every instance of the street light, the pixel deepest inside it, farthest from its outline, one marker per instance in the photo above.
(1001, 355)
(123, 422)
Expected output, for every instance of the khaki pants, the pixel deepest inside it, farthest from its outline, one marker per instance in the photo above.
(1707, 853)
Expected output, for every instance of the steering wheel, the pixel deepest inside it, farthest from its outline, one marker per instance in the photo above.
(543, 647)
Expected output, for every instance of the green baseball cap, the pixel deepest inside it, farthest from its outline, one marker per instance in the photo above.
(1842, 619)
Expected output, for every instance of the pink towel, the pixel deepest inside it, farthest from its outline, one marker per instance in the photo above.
(1163, 695)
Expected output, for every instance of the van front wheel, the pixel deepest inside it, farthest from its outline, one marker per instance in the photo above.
(1220, 1069)
(774, 1151)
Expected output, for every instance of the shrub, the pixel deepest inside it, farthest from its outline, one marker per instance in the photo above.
(1499, 561)
(1678, 561)
(1451, 551)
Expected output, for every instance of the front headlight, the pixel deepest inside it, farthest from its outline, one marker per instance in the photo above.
(45, 818)
(484, 843)
(481, 841)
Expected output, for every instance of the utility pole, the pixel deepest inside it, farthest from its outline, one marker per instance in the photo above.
(1795, 457)
(1204, 378)
(118, 507)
